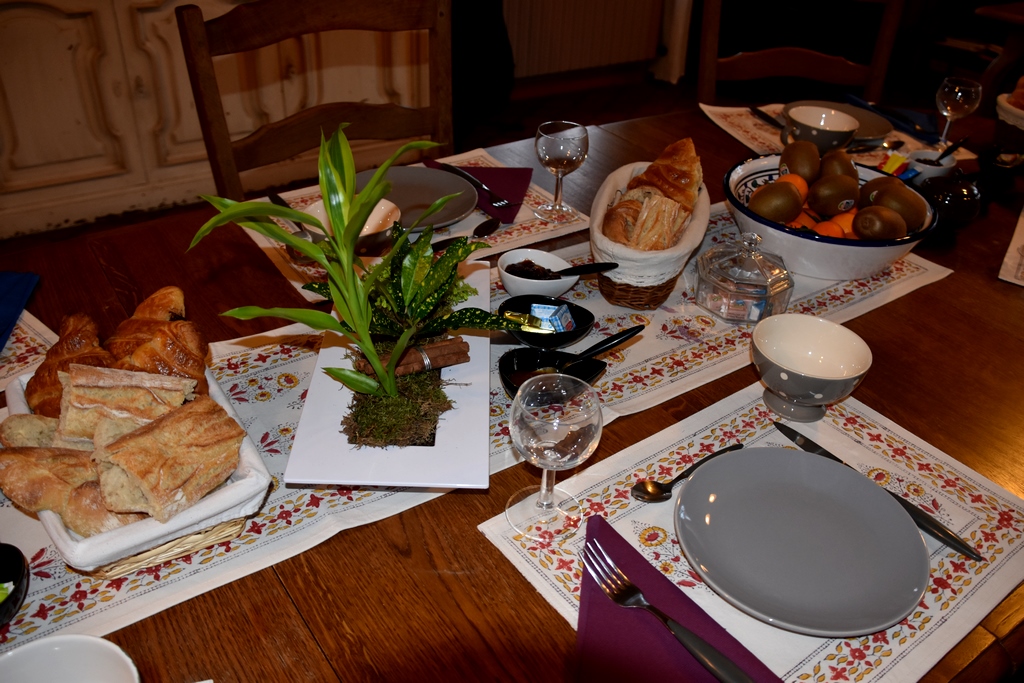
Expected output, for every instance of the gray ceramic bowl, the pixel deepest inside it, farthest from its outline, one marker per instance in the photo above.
(807, 363)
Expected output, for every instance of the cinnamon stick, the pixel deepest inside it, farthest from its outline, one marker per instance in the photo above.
(440, 354)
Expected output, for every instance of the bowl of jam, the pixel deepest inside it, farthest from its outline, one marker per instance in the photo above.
(532, 271)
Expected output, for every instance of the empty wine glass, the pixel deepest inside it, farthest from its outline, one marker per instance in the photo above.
(555, 424)
(561, 147)
(956, 98)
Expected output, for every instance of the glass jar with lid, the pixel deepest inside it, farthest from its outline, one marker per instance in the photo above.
(739, 283)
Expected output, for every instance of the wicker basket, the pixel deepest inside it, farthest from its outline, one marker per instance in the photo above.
(172, 550)
(631, 296)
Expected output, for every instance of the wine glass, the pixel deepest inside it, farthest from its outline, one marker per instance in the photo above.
(555, 424)
(561, 147)
(956, 98)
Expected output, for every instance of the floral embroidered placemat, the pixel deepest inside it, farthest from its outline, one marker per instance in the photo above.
(684, 346)
(25, 348)
(526, 230)
(960, 592)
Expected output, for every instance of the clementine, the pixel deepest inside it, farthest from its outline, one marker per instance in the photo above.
(829, 229)
(798, 182)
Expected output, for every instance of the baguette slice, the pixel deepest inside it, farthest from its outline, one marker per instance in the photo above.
(166, 466)
(94, 395)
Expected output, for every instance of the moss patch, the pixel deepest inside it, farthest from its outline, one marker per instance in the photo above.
(409, 419)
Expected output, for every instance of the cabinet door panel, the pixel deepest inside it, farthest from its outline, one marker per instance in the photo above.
(65, 115)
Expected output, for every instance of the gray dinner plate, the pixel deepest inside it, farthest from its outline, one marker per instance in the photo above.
(801, 542)
(872, 126)
(415, 188)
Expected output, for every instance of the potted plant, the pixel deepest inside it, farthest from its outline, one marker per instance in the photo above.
(409, 295)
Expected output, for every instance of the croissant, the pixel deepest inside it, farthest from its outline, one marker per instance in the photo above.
(154, 341)
(78, 343)
(657, 204)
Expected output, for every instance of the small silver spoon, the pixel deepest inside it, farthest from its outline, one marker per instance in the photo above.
(651, 491)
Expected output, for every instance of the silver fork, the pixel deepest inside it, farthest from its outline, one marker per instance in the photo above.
(617, 586)
(496, 201)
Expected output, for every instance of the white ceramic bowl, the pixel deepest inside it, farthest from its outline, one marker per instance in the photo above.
(926, 171)
(806, 363)
(518, 286)
(808, 253)
(79, 658)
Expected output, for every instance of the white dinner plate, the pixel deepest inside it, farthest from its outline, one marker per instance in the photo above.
(872, 126)
(801, 542)
(415, 188)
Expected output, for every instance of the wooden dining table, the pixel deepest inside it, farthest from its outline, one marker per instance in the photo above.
(423, 595)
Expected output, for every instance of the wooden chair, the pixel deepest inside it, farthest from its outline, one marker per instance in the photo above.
(794, 62)
(265, 22)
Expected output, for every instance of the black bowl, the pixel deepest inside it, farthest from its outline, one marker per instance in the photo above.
(13, 568)
(581, 317)
(520, 364)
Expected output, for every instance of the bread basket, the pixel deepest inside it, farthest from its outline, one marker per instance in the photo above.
(644, 279)
(218, 517)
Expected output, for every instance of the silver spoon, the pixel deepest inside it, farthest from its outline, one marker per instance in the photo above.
(651, 491)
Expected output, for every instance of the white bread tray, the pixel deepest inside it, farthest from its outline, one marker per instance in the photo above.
(238, 497)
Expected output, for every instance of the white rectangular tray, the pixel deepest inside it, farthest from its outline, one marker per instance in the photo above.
(240, 496)
(322, 454)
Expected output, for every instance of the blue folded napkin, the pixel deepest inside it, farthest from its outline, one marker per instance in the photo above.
(903, 120)
(15, 289)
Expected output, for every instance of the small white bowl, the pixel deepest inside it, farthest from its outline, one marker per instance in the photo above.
(926, 171)
(805, 252)
(80, 658)
(383, 216)
(518, 286)
(807, 363)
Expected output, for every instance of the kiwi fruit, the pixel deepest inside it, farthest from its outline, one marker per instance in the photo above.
(871, 187)
(905, 202)
(879, 223)
(833, 194)
(779, 202)
(838, 162)
(802, 158)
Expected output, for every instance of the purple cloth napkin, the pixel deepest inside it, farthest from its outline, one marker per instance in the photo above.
(15, 289)
(508, 183)
(612, 640)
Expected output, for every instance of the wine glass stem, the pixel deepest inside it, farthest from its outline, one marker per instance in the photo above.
(945, 131)
(558, 190)
(546, 496)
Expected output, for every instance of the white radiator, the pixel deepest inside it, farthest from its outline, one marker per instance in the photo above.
(552, 36)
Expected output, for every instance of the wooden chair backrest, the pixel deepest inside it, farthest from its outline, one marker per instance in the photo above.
(794, 62)
(265, 22)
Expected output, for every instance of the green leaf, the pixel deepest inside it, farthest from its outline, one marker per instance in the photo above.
(439, 279)
(315, 319)
(468, 318)
(356, 381)
(415, 266)
(321, 288)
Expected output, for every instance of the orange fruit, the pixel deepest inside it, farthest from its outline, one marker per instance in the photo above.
(845, 221)
(829, 229)
(804, 220)
(798, 182)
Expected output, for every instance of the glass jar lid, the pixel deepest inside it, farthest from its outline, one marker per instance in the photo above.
(740, 266)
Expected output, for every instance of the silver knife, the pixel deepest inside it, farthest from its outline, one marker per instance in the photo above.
(922, 519)
(766, 117)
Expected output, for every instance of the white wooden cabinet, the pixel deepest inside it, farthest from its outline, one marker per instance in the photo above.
(96, 111)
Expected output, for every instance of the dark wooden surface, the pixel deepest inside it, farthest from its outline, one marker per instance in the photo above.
(423, 594)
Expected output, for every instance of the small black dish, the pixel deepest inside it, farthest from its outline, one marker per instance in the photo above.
(13, 568)
(582, 320)
(520, 364)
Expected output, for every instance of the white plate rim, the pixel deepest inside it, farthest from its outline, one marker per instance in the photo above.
(875, 497)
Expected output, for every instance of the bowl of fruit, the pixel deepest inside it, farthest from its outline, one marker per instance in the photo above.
(826, 216)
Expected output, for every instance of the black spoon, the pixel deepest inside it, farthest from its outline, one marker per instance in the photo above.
(952, 148)
(586, 269)
(518, 365)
